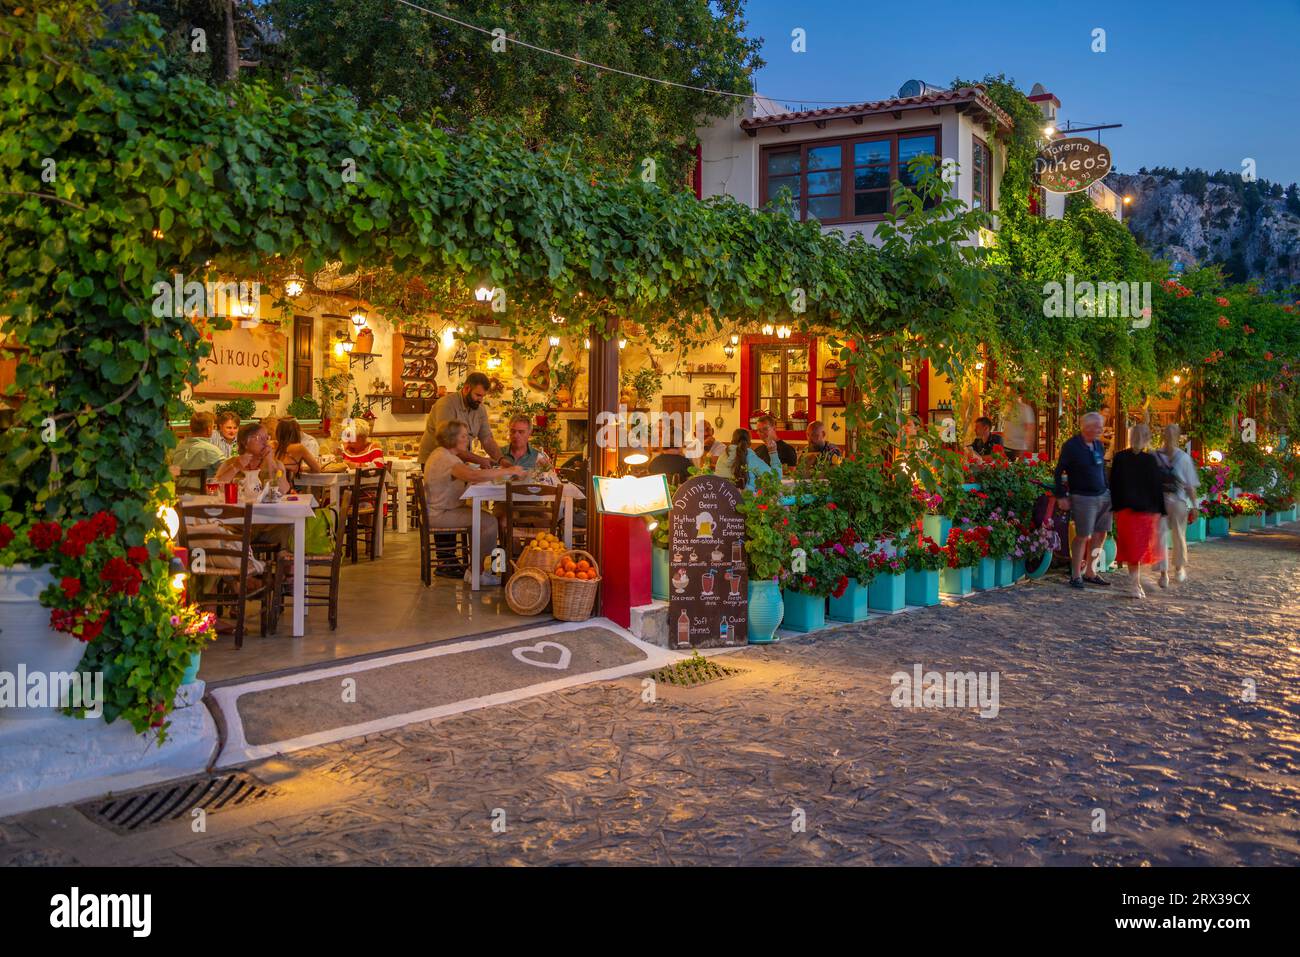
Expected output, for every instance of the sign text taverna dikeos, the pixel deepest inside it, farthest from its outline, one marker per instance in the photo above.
(1071, 165)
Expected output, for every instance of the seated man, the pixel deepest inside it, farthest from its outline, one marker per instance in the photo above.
(820, 451)
(771, 449)
(671, 462)
(198, 451)
(985, 438)
(520, 451)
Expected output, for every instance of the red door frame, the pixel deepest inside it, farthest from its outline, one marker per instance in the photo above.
(747, 396)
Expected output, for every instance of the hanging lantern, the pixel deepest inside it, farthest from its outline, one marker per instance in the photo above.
(554, 341)
(483, 293)
(767, 328)
(783, 332)
(359, 318)
(293, 287)
(493, 359)
(728, 350)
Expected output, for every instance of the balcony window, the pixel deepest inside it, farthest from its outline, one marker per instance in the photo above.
(842, 180)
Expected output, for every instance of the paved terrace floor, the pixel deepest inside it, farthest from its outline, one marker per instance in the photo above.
(383, 606)
(1132, 709)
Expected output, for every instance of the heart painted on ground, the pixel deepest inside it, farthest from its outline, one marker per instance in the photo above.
(523, 654)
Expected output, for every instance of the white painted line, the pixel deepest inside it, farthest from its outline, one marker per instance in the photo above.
(238, 751)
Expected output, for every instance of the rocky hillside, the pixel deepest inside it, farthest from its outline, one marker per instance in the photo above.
(1191, 217)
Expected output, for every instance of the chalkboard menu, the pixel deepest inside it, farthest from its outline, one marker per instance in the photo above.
(708, 594)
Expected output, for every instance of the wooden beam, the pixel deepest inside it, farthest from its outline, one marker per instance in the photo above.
(602, 396)
(858, 120)
(820, 124)
(896, 114)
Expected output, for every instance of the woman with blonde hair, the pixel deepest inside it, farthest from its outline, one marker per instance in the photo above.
(359, 451)
(1180, 484)
(445, 477)
(1138, 499)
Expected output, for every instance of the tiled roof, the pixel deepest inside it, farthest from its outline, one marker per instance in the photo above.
(973, 95)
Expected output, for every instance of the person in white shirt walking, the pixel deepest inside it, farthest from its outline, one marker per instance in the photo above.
(1180, 499)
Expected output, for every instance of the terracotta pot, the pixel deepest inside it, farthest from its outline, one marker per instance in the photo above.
(365, 343)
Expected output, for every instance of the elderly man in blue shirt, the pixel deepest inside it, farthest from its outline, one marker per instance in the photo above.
(1083, 462)
(520, 451)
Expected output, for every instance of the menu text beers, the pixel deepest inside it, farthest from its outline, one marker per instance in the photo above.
(708, 600)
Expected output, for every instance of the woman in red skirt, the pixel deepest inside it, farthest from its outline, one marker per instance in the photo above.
(1138, 498)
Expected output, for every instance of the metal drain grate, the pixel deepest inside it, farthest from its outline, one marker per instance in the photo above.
(128, 813)
(695, 670)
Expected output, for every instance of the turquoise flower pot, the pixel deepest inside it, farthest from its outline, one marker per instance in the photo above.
(985, 575)
(1044, 564)
(887, 593)
(1240, 523)
(955, 581)
(922, 588)
(1291, 515)
(1017, 569)
(852, 605)
(937, 527)
(659, 573)
(1004, 572)
(1216, 527)
(192, 670)
(1196, 530)
(1257, 520)
(804, 612)
(766, 609)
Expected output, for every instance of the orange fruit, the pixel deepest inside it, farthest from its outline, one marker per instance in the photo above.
(583, 565)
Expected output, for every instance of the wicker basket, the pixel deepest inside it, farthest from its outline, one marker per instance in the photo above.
(571, 599)
(541, 558)
(528, 591)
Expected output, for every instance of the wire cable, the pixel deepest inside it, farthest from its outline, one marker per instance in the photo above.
(613, 69)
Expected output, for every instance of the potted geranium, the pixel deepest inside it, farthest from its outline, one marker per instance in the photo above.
(934, 523)
(805, 593)
(767, 551)
(851, 559)
(1217, 511)
(925, 558)
(1244, 509)
(887, 591)
(966, 547)
(1003, 533)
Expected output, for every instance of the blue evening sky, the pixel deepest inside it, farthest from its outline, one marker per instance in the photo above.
(1195, 83)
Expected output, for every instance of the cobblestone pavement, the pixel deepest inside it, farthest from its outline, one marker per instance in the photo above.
(1107, 705)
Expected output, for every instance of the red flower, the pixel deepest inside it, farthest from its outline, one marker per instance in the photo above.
(1223, 322)
(137, 554)
(71, 587)
(90, 629)
(762, 508)
(104, 524)
(6, 535)
(794, 541)
(830, 506)
(1247, 329)
(63, 620)
(44, 535)
(841, 586)
(121, 577)
(1267, 355)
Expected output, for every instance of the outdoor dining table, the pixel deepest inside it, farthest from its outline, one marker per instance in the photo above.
(480, 492)
(291, 510)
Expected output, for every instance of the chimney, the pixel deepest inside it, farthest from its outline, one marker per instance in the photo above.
(1047, 103)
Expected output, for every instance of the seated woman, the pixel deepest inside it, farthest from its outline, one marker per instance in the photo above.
(362, 451)
(255, 456)
(290, 450)
(739, 462)
(445, 478)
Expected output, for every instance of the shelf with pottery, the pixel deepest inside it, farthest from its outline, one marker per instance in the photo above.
(694, 373)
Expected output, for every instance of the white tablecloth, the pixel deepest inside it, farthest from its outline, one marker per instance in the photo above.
(288, 511)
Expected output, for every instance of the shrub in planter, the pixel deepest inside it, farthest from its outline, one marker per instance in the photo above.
(888, 589)
(244, 408)
(767, 553)
(925, 559)
(303, 407)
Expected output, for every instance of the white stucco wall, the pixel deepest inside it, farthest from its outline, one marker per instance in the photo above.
(730, 157)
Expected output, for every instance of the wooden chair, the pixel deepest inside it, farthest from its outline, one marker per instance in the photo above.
(365, 520)
(443, 551)
(192, 482)
(321, 576)
(530, 508)
(218, 539)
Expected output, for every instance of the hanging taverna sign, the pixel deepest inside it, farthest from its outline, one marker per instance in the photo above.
(1070, 165)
